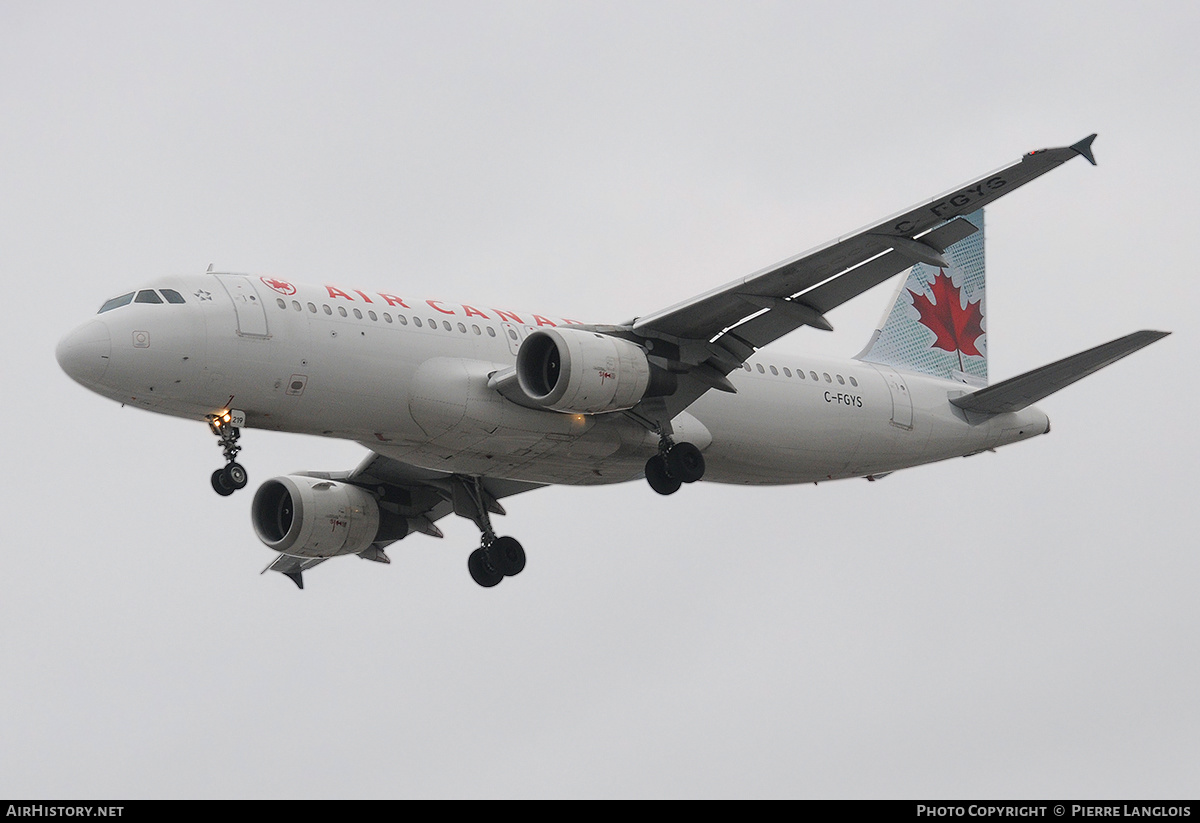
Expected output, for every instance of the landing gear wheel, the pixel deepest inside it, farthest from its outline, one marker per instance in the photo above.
(482, 570)
(685, 462)
(236, 476)
(497, 557)
(659, 478)
(233, 477)
(221, 484)
(507, 556)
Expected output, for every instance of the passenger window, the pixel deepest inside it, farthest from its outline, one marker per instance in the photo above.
(841, 380)
(342, 311)
(357, 314)
(787, 372)
(417, 322)
(387, 317)
(147, 296)
(813, 375)
(279, 302)
(462, 328)
(312, 308)
(116, 303)
(800, 373)
(746, 366)
(296, 305)
(433, 324)
(475, 328)
(446, 325)
(853, 382)
(774, 371)
(403, 320)
(373, 316)
(828, 379)
(173, 296)
(491, 331)
(760, 368)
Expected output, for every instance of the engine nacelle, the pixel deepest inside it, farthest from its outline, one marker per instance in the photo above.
(582, 372)
(310, 517)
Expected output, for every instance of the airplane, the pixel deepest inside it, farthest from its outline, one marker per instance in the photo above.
(462, 405)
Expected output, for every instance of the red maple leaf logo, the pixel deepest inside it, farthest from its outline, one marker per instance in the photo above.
(957, 329)
(281, 286)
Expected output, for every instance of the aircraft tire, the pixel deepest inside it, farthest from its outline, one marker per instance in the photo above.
(659, 478)
(685, 462)
(507, 556)
(221, 484)
(481, 569)
(235, 476)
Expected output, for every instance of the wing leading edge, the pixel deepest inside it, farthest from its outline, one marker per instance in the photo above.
(906, 237)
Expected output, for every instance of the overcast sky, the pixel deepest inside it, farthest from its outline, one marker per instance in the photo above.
(1017, 624)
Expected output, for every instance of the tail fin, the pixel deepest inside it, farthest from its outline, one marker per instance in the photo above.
(937, 321)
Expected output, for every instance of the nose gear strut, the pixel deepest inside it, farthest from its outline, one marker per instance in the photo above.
(226, 427)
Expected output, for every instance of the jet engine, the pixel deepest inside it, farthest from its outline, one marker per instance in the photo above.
(582, 372)
(311, 517)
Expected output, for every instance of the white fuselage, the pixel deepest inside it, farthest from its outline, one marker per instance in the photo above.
(409, 379)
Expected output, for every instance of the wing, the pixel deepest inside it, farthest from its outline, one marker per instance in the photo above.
(420, 496)
(705, 338)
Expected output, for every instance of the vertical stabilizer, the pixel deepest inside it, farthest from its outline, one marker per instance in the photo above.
(937, 322)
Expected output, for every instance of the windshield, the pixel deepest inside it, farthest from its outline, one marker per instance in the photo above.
(143, 296)
(116, 303)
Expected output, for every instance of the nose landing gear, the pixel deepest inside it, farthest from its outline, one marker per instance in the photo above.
(229, 479)
(227, 427)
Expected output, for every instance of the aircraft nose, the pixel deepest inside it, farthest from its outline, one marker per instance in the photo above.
(84, 353)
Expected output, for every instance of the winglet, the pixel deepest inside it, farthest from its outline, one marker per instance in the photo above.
(1084, 147)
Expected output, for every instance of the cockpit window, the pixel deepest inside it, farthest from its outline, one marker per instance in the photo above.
(147, 296)
(172, 296)
(116, 303)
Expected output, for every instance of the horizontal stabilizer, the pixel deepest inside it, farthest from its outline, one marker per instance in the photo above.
(1024, 390)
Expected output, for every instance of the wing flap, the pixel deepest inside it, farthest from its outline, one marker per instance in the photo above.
(1024, 390)
(785, 316)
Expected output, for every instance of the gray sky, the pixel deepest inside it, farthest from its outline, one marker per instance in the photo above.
(1018, 624)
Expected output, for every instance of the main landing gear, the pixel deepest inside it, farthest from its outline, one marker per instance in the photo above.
(233, 477)
(497, 557)
(495, 560)
(674, 465)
